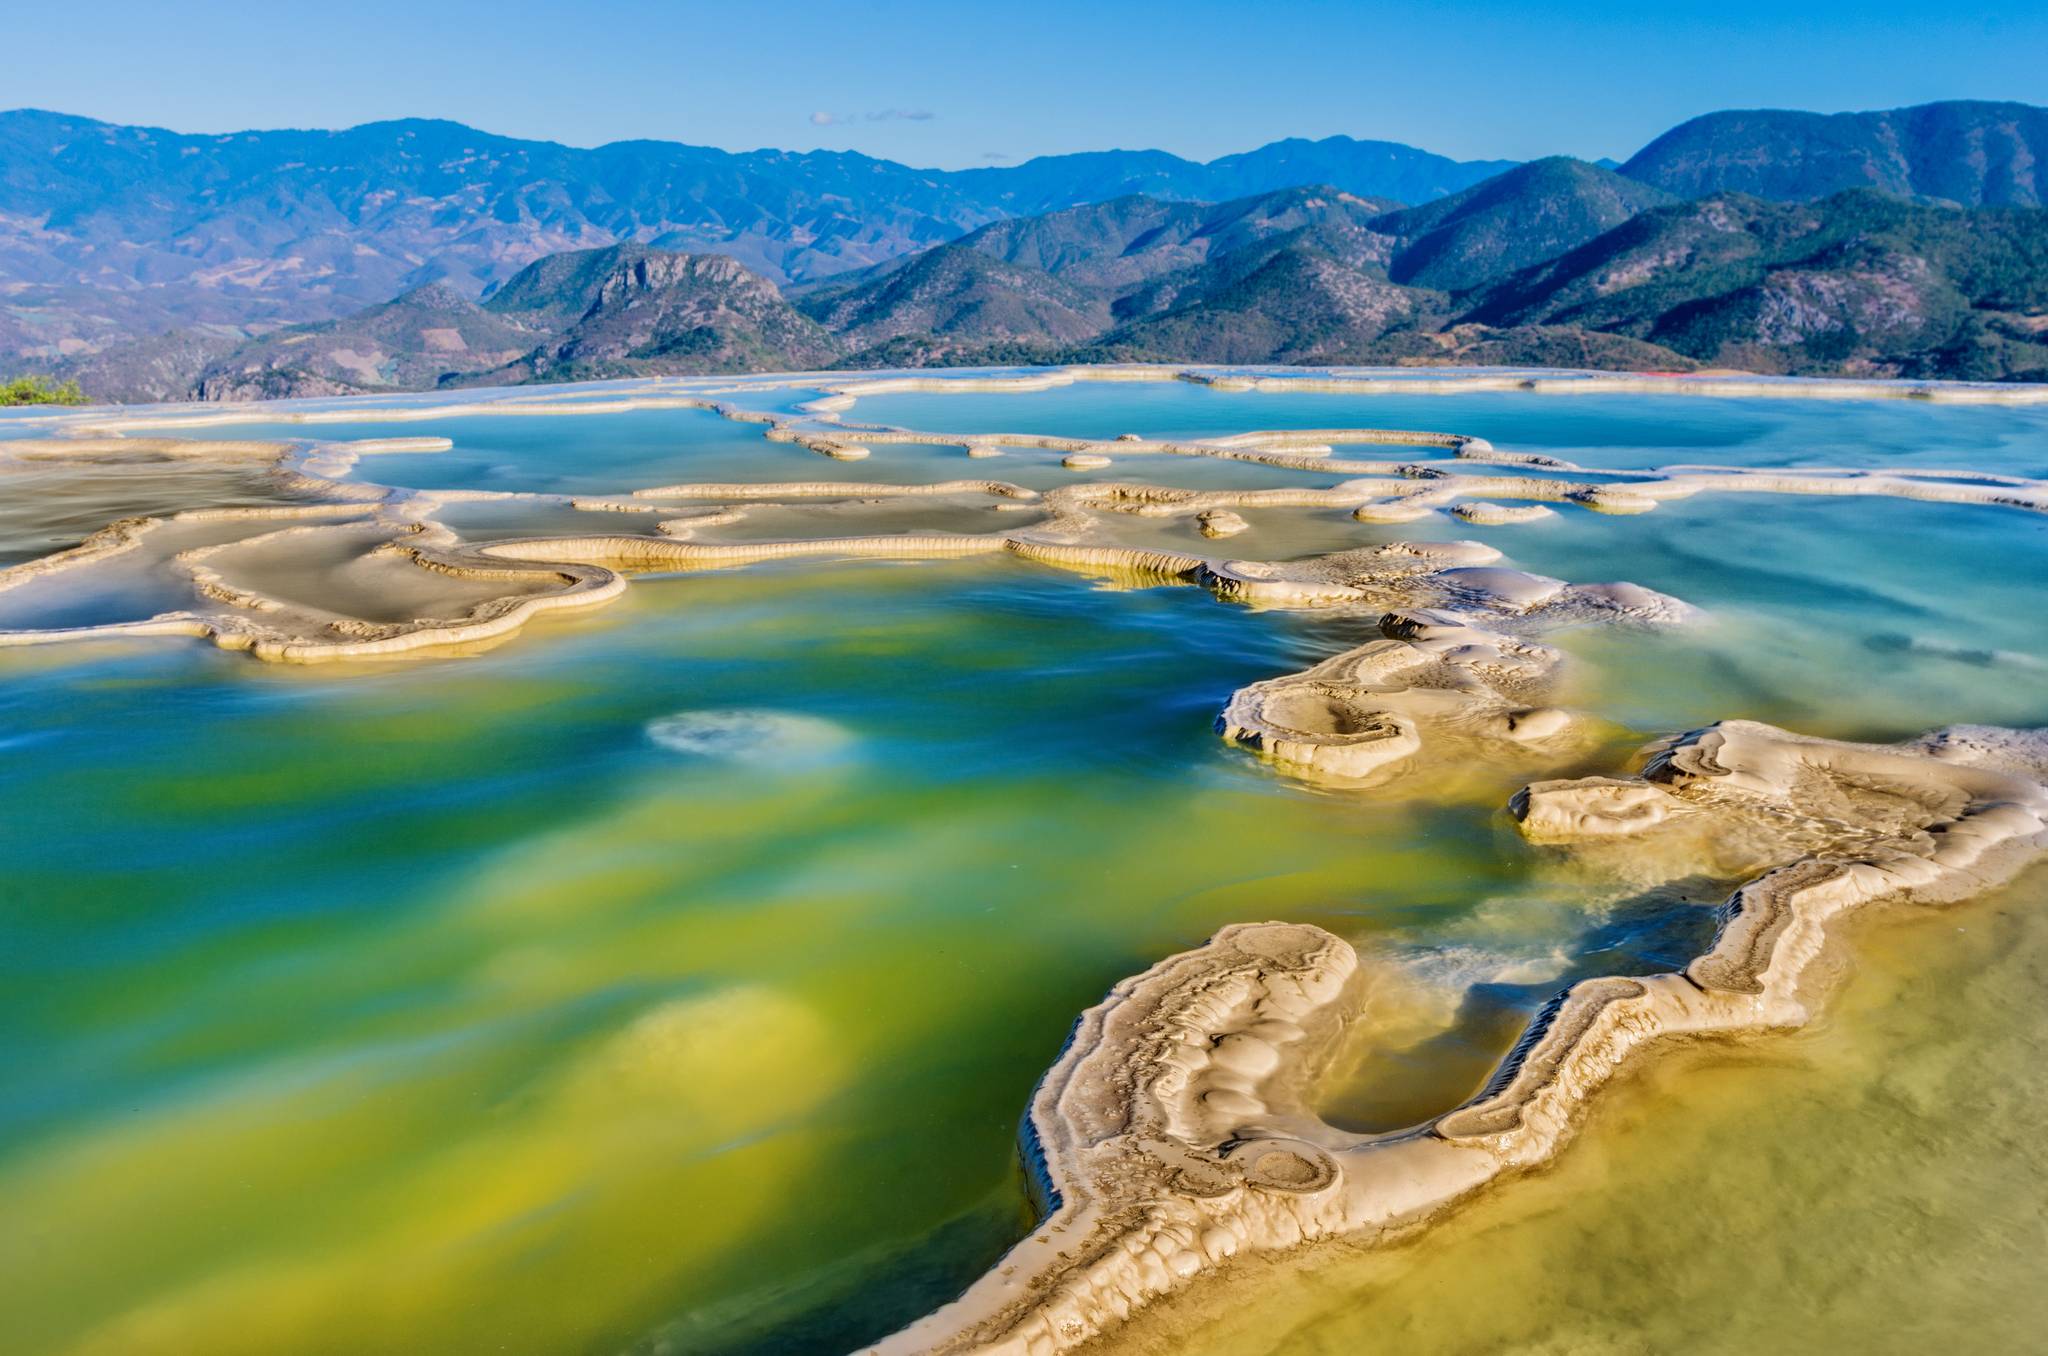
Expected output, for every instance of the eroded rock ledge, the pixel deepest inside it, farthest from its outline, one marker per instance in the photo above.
(1173, 1133)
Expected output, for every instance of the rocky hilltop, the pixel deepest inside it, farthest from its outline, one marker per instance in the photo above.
(658, 311)
(624, 310)
(406, 344)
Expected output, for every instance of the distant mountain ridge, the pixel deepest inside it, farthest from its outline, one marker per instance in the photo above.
(1301, 275)
(1967, 152)
(1142, 254)
(110, 232)
(1380, 169)
(1555, 260)
(1296, 275)
(617, 311)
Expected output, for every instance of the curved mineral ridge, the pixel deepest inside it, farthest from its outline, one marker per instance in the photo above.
(1499, 515)
(1448, 676)
(1076, 530)
(1173, 1133)
(1431, 681)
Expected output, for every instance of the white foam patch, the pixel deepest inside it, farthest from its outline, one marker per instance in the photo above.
(1458, 968)
(753, 736)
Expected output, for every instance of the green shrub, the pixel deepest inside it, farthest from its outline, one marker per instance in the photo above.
(40, 391)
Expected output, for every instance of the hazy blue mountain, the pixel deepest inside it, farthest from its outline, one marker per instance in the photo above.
(1048, 182)
(1373, 169)
(1961, 151)
(251, 229)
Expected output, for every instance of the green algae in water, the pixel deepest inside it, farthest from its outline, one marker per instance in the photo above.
(445, 1005)
(450, 1006)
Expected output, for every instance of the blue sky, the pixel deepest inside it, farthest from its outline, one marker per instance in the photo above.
(969, 84)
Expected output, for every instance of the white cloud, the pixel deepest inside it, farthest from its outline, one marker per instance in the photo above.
(823, 119)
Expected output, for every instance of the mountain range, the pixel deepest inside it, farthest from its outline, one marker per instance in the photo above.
(112, 232)
(151, 265)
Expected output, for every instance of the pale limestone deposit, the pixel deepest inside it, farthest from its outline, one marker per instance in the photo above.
(1432, 685)
(1174, 1132)
(1220, 523)
(1072, 528)
(1499, 515)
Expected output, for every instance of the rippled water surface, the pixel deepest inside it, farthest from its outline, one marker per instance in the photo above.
(672, 977)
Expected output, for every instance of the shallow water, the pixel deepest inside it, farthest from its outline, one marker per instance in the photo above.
(1609, 431)
(45, 508)
(672, 977)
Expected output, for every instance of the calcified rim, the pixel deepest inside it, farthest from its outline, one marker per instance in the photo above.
(1175, 1130)
(1075, 529)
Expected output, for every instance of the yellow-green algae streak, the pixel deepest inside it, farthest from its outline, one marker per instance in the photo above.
(470, 1006)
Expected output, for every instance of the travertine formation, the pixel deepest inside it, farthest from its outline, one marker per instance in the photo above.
(1447, 676)
(1073, 527)
(1431, 679)
(1175, 1131)
(456, 598)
